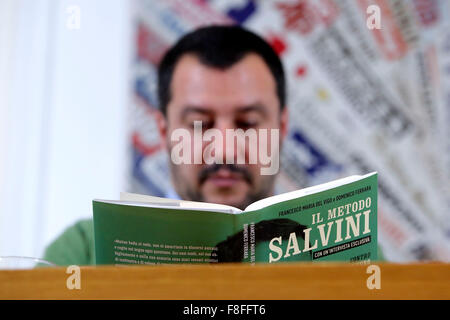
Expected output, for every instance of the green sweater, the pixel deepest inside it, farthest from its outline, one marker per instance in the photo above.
(75, 246)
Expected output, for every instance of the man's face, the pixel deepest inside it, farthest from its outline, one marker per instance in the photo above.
(240, 97)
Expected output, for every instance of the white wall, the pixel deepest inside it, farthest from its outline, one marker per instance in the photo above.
(63, 119)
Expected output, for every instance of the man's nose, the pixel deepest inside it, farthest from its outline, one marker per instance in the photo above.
(228, 151)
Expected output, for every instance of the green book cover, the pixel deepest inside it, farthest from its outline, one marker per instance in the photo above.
(335, 221)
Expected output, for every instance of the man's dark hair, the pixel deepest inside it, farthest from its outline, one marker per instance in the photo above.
(232, 249)
(219, 46)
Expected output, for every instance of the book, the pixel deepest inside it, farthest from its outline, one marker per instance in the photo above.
(334, 221)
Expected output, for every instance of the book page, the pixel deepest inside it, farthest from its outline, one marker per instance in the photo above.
(306, 191)
(182, 204)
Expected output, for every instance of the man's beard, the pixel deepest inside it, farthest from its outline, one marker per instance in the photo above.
(266, 185)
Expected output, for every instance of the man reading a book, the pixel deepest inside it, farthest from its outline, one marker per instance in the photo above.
(215, 79)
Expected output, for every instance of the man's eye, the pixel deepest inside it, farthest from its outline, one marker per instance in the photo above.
(204, 124)
(207, 125)
(246, 124)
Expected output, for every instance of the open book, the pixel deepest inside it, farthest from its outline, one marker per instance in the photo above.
(334, 221)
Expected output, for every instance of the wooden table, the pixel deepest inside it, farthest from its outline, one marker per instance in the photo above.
(231, 282)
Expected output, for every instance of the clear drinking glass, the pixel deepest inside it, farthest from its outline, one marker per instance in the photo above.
(20, 262)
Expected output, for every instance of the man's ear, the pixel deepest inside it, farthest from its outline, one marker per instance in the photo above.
(284, 123)
(161, 123)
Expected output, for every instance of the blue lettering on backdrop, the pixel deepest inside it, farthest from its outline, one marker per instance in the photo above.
(142, 177)
(142, 90)
(168, 19)
(241, 14)
(320, 161)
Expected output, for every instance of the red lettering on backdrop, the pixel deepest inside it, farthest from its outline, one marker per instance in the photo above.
(304, 15)
(146, 148)
(278, 44)
(427, 11)
(301, 71)
(150, 46)
(298, 15)
(143, 147)
(389, 38)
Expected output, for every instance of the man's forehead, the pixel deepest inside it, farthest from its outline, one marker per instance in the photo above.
(246, 85)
